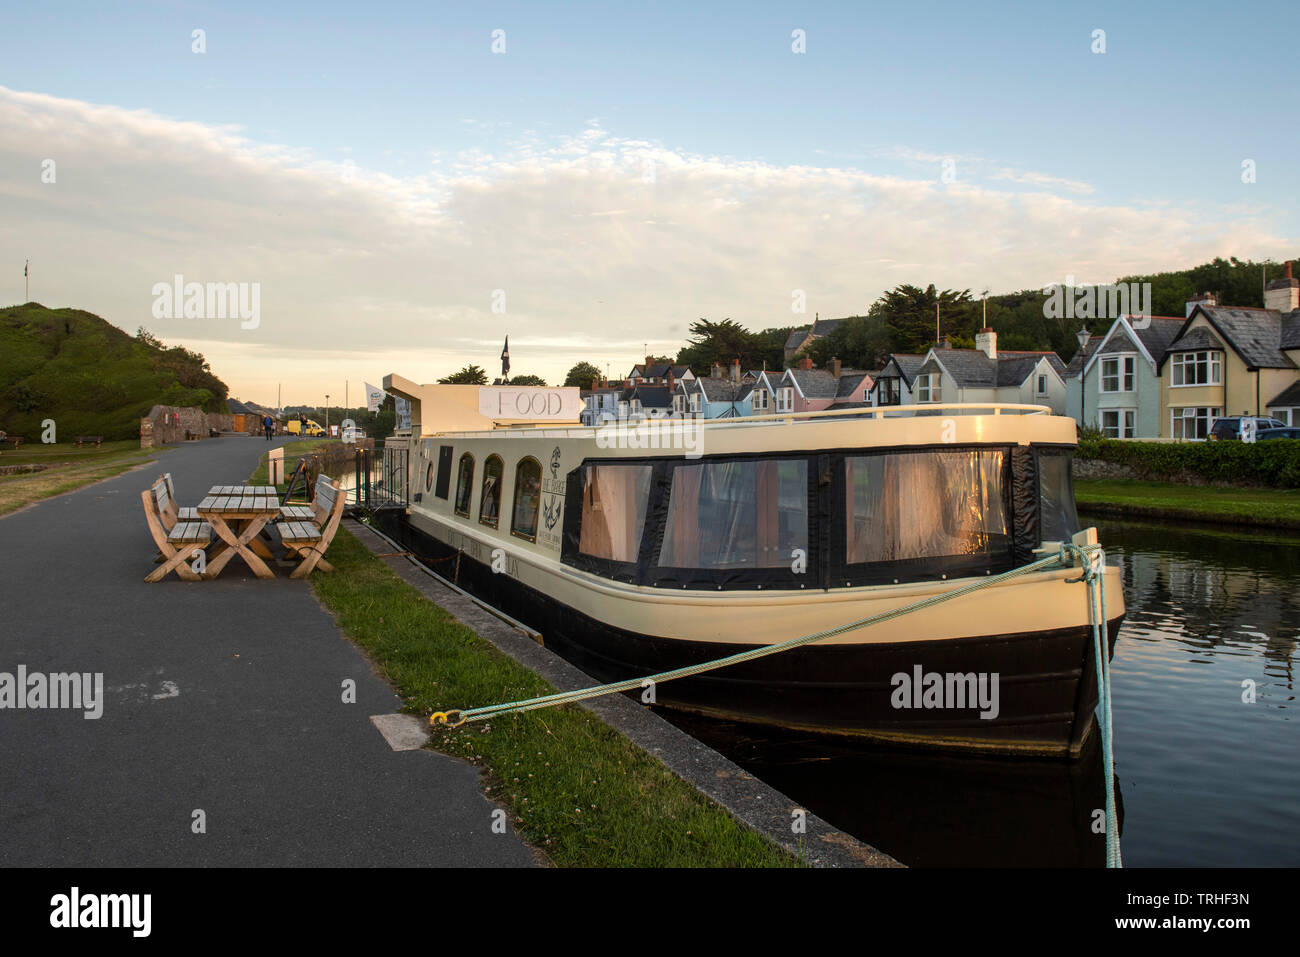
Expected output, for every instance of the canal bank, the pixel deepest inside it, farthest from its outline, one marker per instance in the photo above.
(1126, 498)
(686, 800)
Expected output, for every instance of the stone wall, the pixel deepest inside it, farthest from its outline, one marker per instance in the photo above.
(168, 424)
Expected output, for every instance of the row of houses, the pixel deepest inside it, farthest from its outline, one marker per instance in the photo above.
(1171, 377)
(1145, 377)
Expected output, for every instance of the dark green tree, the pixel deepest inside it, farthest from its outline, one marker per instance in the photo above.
(470, 375)
(527, 380)
(581, 375)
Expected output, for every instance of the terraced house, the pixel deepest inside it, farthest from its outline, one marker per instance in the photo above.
(1113, 381)
(984, 374)
(1233, 361)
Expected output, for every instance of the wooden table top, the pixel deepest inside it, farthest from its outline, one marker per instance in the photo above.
(238, 504)
(242, 490)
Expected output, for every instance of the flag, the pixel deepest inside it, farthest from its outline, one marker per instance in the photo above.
(505, 359)
(374, 397)
(25, 265)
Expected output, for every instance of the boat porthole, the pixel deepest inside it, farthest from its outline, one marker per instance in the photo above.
(760, 587)
(895, 581)
(944, 577)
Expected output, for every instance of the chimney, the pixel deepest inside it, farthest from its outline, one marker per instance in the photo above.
(1204, 299)
(671, 384)
(595, 384)
(835, 367)
(716, 371)
(943, 343)
(805, 362)
(1283, 294)
(735, 369)
(986, 341)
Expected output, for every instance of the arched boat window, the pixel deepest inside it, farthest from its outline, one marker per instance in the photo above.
(464, 484)
(528, 499)
(489, 506)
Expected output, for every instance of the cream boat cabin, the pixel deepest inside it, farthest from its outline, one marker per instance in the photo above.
(646, 548)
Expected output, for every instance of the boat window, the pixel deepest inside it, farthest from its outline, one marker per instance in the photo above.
(1059, 520)
(737, 515)
(614, 501)
(528, 497)
(444, 471)
(489, 506)
(930, 504)
(464, 484)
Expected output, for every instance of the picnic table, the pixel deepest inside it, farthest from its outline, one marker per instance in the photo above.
(238, 514)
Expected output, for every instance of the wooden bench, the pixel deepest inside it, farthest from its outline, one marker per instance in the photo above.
(87, 439)
(17, 440)
(307, 530)
(178, 514)
(178, 541)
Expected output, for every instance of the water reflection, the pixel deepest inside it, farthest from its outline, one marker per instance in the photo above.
(1205, 743)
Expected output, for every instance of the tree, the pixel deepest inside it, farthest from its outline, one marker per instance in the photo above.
(470, 375)
(910, 312)
(721, 342)
(527, 380)
(859, 342)
(581, 375)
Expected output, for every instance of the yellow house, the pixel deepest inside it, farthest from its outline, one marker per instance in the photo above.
(1233, 361)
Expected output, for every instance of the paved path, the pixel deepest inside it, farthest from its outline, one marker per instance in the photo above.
(223, 696)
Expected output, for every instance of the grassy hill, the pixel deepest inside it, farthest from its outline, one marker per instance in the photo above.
(89, 376)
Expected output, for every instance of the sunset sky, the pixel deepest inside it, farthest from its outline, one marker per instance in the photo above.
(381, 173)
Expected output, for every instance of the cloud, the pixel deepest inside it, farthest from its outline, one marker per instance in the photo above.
(601, 244)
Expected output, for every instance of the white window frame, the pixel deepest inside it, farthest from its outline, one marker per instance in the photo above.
(928, 388)
(1040, 384)
(1125, 423)
(760, 403)
(1179, 416)
(1212, 359)
(1124, 376)
(696, 402)
(785, 399)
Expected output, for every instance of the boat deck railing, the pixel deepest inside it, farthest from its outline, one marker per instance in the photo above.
(735, 422)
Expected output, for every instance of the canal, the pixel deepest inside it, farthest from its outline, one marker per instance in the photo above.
(1207, 745)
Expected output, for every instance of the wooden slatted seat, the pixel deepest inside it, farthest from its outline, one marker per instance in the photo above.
(178, 541)
(297, 513)
(187, 514)
(309, 537)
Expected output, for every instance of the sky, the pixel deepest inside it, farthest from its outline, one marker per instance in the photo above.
(404, 184)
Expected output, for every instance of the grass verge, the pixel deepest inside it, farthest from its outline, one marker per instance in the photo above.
(292, 452)
(66, 468)
(1270, 508)
(577, 789)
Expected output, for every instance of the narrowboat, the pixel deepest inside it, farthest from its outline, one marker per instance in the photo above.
(636, 548)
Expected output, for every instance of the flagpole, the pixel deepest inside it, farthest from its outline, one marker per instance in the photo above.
(27, 293)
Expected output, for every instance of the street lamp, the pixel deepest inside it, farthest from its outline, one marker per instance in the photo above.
(327, 413)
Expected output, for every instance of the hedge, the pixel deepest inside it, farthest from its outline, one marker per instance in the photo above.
(1272, 464)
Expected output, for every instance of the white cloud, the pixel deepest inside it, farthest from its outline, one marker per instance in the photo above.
(595, 257)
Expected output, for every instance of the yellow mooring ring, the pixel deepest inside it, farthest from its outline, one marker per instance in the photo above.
(444, 717)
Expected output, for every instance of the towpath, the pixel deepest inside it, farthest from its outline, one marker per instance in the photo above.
(222, 697)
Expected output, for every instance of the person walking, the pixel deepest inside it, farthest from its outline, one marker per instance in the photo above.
(268, 423)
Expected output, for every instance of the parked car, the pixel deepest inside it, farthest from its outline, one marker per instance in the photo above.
(1287, 432)
(1230, 427)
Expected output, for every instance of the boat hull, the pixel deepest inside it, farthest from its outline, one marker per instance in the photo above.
(1046, 687)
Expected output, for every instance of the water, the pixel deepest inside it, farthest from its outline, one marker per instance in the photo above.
(1203, 777)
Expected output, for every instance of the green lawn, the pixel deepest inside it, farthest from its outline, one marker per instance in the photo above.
(69, 468)
(577, 789)
(292, 452)
(1273, 508)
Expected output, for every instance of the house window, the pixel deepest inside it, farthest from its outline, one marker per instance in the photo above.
(695, 402)
(1118, 423)
(889, 392)
(1192, 423)
(785, 399)
(1197, 368)
(679, 403)
(1117, 374)
(622, 410)
(928, 388)
(1041, 387)
(760, 400)
(528, 498)
(489, 506)
(464, 484)
(636, 406)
